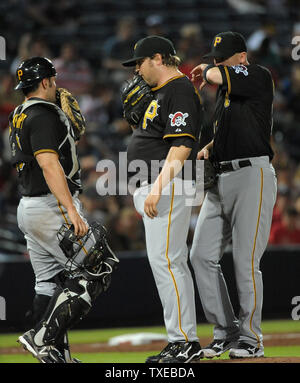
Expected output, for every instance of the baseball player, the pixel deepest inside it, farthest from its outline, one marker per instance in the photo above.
(44, 154)
(239, 206)
(168, 133)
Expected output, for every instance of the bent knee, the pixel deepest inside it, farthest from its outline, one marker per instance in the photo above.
(45, 288)
(203, 259)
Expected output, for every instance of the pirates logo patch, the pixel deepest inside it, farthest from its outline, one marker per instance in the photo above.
(178, 118)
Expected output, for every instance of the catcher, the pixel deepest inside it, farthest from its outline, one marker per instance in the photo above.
(43, 132)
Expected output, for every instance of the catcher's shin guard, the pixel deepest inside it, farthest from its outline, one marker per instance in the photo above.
(68, 305)
(38, 309)
(64, 348)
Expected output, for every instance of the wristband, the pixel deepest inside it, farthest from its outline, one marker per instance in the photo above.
(205, 71)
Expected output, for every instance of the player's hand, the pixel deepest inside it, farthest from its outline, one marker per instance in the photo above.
(80, 227)
(197, 71)
(203, 154)
(150, 205)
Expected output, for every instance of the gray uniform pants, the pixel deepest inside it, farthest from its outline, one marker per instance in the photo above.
(240, 208)
(40, 218)
(167, 251)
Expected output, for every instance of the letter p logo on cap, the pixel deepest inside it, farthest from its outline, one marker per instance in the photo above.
(218, 39)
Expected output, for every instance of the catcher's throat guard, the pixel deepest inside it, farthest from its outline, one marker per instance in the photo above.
(90, 254)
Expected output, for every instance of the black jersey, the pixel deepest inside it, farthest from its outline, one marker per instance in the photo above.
(243, 113)
(41, 128)
(173, 118)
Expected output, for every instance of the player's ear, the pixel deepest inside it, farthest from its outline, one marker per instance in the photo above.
(45, 83)
(243, 58)
(158, 59)
(52, 81)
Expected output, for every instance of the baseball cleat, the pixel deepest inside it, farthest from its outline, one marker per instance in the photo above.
(216, 348)
(168, 349)
(183, 352)
(246, 350)
(75, 360)
(45, 354)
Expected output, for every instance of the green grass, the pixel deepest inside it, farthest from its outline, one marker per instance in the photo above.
(282, 351)
(106, 357)
(103, 335)
(138, 357)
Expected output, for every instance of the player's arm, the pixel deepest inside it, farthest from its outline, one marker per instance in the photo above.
(172, 166)
(57, 183)
(210, 74)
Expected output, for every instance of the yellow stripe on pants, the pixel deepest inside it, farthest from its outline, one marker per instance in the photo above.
(169, 264)
(253, 251)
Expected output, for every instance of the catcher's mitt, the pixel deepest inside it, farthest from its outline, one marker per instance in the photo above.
(210, 175)
(66, 101)
(136, 96)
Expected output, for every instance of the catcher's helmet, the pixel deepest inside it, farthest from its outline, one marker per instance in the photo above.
(34, 70)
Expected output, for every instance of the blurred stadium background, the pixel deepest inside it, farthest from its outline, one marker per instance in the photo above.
(87, 41)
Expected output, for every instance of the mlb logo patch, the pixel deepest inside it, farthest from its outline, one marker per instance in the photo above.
(178, 118)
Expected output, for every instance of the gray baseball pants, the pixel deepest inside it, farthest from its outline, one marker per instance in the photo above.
(166, 237)
(40, 218)
(238, 208)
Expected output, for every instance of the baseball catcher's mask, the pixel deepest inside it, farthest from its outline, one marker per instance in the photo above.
(90, 255)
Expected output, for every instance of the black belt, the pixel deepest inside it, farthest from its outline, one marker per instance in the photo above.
(228, 167)
(48, 192)
(37, 194)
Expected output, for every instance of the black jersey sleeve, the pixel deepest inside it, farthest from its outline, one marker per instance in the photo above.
(246, 81)
(186, 141)
(182, 115)
(43, 136)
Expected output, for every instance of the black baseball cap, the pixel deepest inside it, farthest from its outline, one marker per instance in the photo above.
(149, 46)
(226, 44)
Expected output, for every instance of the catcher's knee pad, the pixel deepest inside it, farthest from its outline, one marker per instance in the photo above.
(70, 303)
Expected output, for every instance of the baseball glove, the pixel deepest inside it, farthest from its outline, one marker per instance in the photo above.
(210, 175)
(66, 101)
(136, 96)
